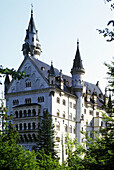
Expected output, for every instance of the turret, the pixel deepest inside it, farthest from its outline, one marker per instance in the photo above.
(31, 46)
(51, 75)
(77, 70)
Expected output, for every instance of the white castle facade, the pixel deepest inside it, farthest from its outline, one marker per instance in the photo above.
(72, 102)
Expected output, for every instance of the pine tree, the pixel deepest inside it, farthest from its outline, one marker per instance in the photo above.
(46, 135)
(100, 152)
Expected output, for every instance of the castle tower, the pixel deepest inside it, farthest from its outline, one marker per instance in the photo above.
(51, 75)
(31, 46)
(78, 72)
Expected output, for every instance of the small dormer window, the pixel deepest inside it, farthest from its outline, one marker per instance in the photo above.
(28, 83)
(28, 101)
(42, 68)
(40, 99)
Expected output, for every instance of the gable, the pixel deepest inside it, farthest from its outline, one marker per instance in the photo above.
(35, 81)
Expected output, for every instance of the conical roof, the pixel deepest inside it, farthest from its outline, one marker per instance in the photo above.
(77, 64)
(31, 26)
(51, 71)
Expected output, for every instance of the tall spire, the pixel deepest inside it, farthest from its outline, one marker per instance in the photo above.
(77, 65)
(31, 45)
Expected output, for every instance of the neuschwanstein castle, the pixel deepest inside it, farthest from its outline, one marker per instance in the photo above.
(73, 103)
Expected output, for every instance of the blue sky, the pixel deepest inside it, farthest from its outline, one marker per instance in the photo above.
(59, 23)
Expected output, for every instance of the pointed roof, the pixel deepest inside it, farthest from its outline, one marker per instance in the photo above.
(7, 80)
(77, 65)
(51, 71)
(31, 27)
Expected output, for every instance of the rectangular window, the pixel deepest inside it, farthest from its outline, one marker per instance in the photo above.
(58, 100)
(91, 112)
(64, 102)
(70, 104)
(58, 127)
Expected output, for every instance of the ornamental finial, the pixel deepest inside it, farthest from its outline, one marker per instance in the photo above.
(31, 8)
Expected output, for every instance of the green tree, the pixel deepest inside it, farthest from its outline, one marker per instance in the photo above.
(74, 153)
(46, 135)
(46, 162)
(108, 33)
(12, 155)
(13, 73)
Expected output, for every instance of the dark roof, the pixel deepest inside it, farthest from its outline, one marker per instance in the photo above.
(43, 67)
(31, 27)
(51, 71)
(77, 61)
(7, 80)
(67, 79)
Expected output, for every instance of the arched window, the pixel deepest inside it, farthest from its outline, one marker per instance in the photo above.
(64, 102)
(58, 113)
(20, 126)
(66, 128)
(29, 126)
(33, 125)
(16, 114)
(28, 101)
(25, 113)
(25, 136)
(34, 137)
(30, 137)
(29, 113)
(28, 83)
(63, 115)
(20, 113)
(58, 100)
(25, 127)
(33, 112)
(40, 99)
